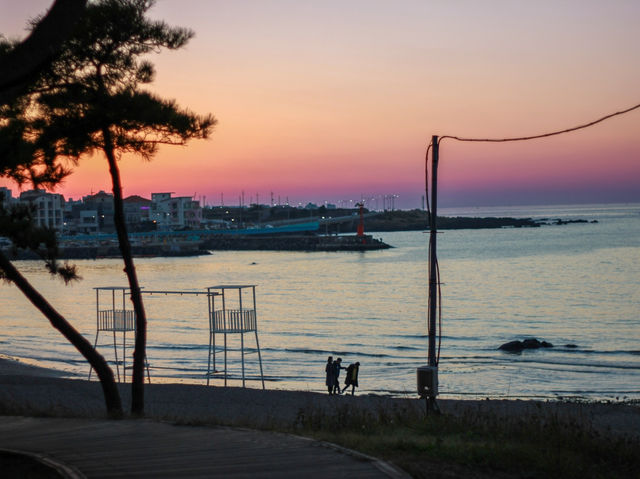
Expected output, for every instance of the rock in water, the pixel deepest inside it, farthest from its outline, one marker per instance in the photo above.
(531, 343)
(512, 346)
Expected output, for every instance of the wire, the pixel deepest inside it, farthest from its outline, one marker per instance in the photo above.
(438, 299)
(426, 184)
(543, 135)
(439, 312)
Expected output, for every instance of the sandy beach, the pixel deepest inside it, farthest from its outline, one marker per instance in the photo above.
(30, 390)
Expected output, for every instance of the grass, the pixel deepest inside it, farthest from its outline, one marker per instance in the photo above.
(476, 445)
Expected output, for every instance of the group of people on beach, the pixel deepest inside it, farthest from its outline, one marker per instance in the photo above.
(333, 376)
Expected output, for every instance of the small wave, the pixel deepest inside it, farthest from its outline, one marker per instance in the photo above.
(301, 351)
(177, 347)
(593, 392)
(406, 348)
(541, 361)
(409, 336)
(305, 334)
(622, 351)
(566, 349)
(322, 352)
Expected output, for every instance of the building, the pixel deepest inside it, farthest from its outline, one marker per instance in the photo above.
(181, 212)
(137, 213)
(102, 204)
(48, 208)
(87, 222)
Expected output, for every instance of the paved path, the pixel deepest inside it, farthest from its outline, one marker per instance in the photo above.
(143, 448)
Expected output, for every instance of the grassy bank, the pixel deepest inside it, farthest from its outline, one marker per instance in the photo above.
(477, 446)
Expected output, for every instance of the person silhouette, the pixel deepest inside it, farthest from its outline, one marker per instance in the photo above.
(331, 375)
(351, 377)
(337, 366)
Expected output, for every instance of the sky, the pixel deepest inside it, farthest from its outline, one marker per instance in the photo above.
(336, 101)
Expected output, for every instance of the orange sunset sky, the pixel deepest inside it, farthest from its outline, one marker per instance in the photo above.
(328, 101)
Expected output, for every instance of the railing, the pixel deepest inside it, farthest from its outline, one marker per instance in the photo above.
(116, 320)
(236, 321)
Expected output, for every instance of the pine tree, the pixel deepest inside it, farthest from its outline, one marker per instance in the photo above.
(23, 158)
(91, 100)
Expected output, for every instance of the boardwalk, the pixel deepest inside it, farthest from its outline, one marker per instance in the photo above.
(142, 448)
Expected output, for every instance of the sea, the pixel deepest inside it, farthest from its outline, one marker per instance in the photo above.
(576, 286)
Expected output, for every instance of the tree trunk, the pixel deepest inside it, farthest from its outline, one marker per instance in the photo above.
(139, 354)
(95, 359)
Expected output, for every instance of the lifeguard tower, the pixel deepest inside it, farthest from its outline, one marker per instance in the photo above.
(112, 316)
(232, 310)
(234, 313)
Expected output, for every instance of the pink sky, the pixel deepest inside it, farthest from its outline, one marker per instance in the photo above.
(328, 101)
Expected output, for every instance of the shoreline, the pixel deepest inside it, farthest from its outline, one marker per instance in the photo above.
(27, 390)
(14, 365)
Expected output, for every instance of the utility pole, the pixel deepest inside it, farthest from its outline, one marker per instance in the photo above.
(433, 277)
(428, 375)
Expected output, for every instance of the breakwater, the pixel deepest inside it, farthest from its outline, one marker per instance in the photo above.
(294, 243)
(221, 242)
(112, 251)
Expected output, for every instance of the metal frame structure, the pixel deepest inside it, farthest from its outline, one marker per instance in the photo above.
(227, 320)
(224, 320)
(116, 320)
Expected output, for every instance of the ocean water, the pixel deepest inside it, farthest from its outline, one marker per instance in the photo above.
(575, 284)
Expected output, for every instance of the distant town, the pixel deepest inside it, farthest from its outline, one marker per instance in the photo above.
(93, 214)
(165, 214)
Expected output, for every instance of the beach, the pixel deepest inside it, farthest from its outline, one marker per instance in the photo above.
(30, 390)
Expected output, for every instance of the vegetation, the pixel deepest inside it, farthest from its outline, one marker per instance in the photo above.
(90, 100)
(476, 446)
(20, 66)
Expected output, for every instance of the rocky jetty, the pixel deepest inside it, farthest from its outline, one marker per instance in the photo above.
(294, 243)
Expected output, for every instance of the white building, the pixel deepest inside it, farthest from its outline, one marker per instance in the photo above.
(175, 213)
(49, 207)
(88, 223)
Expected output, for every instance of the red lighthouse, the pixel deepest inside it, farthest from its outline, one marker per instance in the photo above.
(360, 232)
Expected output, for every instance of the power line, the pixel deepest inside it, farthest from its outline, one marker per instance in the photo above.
(543, 135)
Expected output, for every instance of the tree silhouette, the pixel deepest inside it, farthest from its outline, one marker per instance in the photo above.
(90, 100)
(20, 66)
(22, 158)
(17, 224)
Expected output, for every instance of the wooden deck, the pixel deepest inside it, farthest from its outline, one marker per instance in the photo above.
(144, 448)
